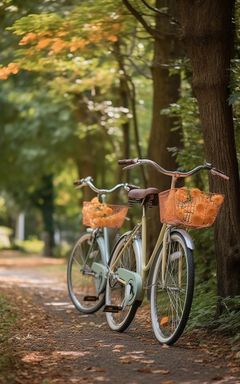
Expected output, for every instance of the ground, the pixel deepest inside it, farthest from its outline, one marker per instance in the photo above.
(51, 342)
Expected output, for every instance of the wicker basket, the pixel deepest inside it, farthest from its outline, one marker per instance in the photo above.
(190, 208)
(99, 215)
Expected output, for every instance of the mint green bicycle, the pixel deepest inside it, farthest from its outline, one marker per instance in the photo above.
(168, 276)
(88, 263)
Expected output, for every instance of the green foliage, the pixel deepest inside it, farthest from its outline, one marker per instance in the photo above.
(204, 310)
(31, 246)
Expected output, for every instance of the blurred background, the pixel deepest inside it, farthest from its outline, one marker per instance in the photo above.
(82, 85)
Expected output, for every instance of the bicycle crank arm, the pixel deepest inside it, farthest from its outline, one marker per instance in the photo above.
(133, 285)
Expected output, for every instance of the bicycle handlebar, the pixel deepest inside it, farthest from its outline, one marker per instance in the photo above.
(88, 181)
(130, 163)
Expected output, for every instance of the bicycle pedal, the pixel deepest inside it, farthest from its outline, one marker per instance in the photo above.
(90, 298)
(112, 308)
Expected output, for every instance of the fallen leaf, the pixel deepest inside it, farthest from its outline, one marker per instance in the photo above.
(161, 371)
(145, 370)
(147, 361)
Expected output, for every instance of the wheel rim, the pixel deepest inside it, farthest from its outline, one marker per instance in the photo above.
(116, 291)
(170, 295)
(82, 281)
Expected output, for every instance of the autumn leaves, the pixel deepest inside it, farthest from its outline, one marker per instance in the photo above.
(53, 42)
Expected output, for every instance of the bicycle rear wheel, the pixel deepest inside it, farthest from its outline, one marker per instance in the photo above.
(81, 279)
(116, 292)
(172, 293)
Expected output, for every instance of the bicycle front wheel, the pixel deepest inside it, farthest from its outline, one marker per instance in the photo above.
(81, 280)
(116, 291)
(172, 290)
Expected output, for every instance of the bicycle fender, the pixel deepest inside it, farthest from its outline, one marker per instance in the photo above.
(185, 235)
(119, 239)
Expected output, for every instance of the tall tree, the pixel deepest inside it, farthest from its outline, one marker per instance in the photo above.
(166, 90)
(207, 31)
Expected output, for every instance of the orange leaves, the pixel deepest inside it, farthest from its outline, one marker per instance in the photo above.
(58, 45)
(43, 43)
(28, 38)
(77, 44)
(112, 38)
(5, 72)
(58, 41)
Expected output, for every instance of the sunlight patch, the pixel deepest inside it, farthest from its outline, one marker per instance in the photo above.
(33, 357)
(70, 353)
(62, 304)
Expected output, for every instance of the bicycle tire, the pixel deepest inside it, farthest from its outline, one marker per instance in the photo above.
(81, 282)
(130, 260)
(171, 302)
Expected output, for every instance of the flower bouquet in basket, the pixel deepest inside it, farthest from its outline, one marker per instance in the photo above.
(191, 208)
(96, 214)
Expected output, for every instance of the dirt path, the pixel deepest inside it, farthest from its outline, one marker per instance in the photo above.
(53, 343)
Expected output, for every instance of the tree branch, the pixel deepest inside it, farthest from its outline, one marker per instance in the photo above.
(139, 17)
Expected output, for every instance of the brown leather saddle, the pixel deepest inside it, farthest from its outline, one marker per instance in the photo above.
(148, 196)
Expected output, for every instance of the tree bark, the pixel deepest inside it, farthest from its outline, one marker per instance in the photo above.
(208, 36)
(166, 90)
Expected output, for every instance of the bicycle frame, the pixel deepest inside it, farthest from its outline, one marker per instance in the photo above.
(162, 240)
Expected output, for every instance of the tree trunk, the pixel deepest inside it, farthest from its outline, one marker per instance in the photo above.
(165, 91)
(46, 205)
(208, 37)
(86, 164)
(124, 102)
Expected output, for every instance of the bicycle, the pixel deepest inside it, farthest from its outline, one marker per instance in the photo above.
(168, 276)
(88, 263)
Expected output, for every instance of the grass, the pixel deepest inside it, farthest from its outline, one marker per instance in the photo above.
(8, 319)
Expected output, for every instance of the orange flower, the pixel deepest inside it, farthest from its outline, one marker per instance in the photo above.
(95, 200)
(218, 199)
(196, 220)
(195, 192)
(200, 207)
(212, 211)
(182, 194)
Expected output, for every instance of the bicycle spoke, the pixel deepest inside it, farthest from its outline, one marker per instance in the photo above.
(170, 297)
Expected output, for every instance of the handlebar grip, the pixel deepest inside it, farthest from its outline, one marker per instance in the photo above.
(132, 186)
(127, 161)
(217, 172)
(76, 183)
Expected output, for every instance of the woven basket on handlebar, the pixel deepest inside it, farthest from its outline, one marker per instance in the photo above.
(99, 215)
(189, 208)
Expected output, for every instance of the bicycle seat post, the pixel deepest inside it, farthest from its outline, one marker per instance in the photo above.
(144, 235)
